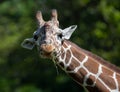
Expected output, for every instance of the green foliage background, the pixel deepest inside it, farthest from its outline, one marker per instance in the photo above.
(22, 70)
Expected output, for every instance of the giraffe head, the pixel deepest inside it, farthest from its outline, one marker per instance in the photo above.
(48, 37)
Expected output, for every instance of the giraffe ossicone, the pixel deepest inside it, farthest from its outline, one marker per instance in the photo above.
(84, 67)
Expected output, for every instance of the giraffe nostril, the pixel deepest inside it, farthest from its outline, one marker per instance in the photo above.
(47, 41)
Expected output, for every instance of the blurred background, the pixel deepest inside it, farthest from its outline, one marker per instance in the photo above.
(22, 70)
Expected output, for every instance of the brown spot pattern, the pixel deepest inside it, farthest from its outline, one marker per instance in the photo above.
(108, 80)
(79, 76)
(73, 65)
(92, 66)
(68, 56)
(91, 80)
(99, 87)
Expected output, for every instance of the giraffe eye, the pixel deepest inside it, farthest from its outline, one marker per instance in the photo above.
(35, 37)
(60, 36)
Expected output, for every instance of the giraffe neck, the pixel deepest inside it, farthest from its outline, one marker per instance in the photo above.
(87, 70)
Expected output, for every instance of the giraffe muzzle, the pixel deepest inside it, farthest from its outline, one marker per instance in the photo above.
(47, 48)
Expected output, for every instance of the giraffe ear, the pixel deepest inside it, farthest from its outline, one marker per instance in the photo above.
(28, 43)
(67, 32)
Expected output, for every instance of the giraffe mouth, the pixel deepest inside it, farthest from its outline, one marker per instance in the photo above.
(46, 50)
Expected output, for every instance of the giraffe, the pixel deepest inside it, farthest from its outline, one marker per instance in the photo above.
(87, 69)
